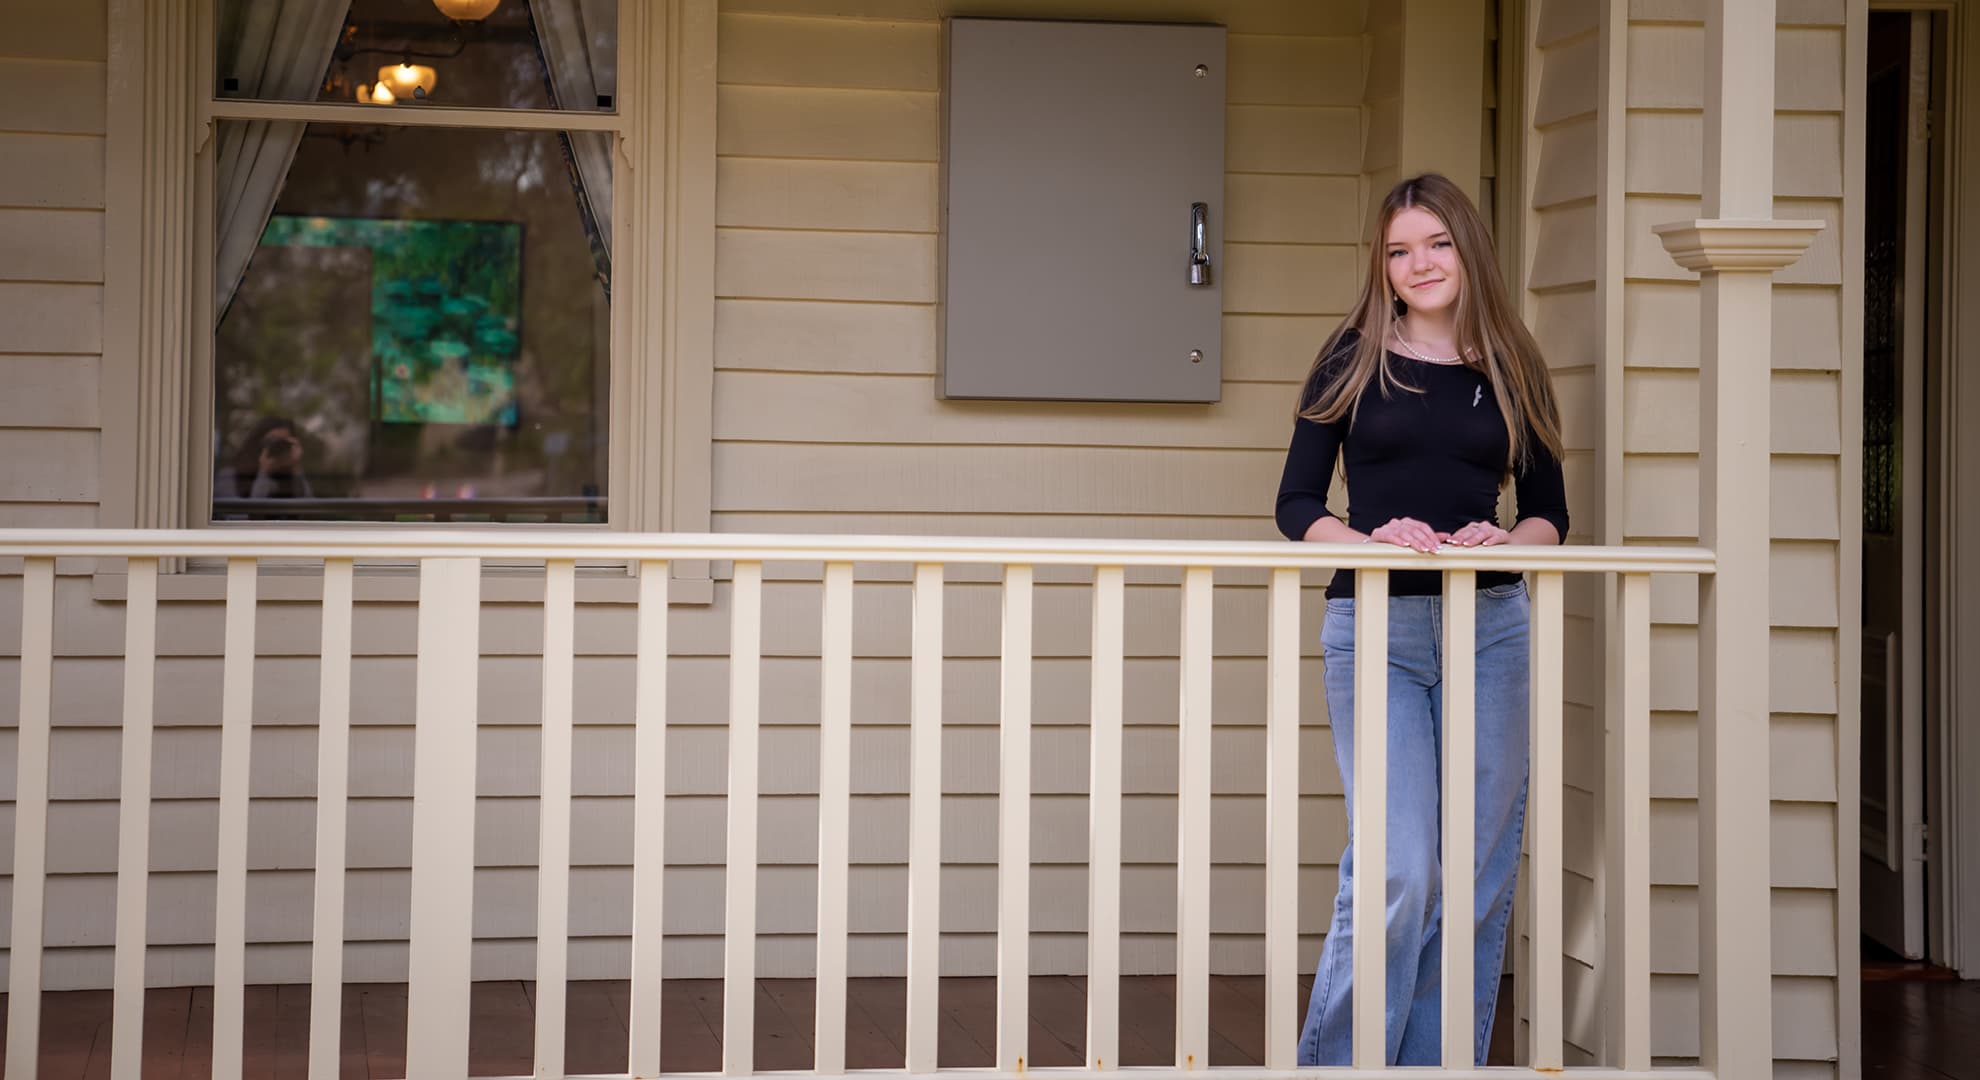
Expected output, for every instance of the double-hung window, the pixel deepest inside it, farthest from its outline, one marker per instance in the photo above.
(412, 288)
(410, 261)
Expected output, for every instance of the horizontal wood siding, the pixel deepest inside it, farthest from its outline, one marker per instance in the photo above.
(51, 278)
(826, 419)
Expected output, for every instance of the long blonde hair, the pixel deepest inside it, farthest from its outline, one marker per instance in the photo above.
(1490, 336)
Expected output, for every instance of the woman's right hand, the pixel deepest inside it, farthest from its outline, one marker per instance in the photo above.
(1408, 533)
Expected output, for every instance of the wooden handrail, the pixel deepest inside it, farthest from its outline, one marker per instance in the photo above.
(546, 543)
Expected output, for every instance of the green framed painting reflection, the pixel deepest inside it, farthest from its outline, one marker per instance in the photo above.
(446, 304)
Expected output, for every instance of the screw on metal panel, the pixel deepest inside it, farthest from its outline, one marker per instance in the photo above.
(1202, 70)
(1196, 356)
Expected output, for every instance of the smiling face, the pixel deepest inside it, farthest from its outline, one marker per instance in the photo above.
(1422, 262)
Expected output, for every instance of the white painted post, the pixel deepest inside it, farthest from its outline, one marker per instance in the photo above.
(739, 926)
(1735, 247)
(834, 818)
(1460, 806)
(1014, 826)
(1627, 813)
(1103, 921)
(1736, 957)
(333, 785)
(446, 703)
(553, 861)
(1193, 826)
(30, 880)
(649, 820)
(1282, 968)
(1545, 803)
(1370, 816)
(230, 882)
(134, 820)
(924, 941)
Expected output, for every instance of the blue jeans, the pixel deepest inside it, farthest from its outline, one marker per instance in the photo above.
(1413, 1004)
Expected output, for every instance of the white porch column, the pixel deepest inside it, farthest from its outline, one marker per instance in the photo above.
(1735, 248)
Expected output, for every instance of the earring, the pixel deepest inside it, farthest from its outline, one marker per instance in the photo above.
(1397, 306)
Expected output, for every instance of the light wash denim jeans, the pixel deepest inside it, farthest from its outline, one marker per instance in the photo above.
(1413, 1004)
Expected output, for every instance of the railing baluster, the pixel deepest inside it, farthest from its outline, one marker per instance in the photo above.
(30, 817)
(1103, 922)
(739, 926)
(1014, 827)
(650, 819)
(834, 817)
(446, 703)
(1545, 803)
(1282, 966)
(230, 882)
(1460, 767)
(134, 819)
(553, 863)
(1628, 817)
(1193, 826)
(924, 942)
(333, 785)
(1370, 815)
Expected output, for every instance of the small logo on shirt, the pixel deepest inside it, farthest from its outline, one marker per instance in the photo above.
(1477, 395)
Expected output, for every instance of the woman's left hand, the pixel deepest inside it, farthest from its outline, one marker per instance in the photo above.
(1479, 534)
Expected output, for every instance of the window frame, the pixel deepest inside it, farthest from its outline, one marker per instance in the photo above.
(156, 387)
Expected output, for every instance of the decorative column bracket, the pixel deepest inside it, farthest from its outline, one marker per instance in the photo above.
(1724, 244)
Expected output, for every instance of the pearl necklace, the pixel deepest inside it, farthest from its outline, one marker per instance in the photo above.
(1411, 350)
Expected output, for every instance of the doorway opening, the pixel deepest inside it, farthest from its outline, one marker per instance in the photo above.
(1905, 890)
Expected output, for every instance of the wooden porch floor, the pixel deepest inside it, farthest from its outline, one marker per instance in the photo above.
(1913, 1030)
(75, 1030)
(1921, 1029)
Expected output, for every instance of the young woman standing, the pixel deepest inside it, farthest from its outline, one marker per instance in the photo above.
(1433, 396)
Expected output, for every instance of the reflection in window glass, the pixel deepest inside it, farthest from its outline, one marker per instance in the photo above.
(519, 54)
(417, 329)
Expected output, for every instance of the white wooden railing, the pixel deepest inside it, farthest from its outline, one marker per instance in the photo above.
(450, 567)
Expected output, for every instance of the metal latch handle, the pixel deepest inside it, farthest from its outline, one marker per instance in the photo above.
(1199, 244)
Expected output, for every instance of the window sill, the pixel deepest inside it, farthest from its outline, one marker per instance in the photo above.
(400, 584)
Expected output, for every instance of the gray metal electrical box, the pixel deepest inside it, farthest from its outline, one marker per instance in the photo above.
(1083, 197)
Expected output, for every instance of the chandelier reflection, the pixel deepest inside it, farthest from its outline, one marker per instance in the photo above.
(466, 10)
(408, 80)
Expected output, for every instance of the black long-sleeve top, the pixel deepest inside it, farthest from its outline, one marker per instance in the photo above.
(1438, 456)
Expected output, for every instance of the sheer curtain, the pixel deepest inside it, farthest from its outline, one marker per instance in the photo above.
(275, 49)
(578, 38)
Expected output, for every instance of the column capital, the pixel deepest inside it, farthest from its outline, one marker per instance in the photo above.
(1729, 244)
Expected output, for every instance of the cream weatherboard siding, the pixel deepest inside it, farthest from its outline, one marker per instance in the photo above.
(51, 289)
(51, 261)
(1636, 319)
(825, 420)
